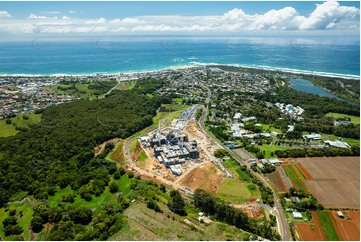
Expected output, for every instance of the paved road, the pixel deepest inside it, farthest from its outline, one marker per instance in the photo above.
(281, 220)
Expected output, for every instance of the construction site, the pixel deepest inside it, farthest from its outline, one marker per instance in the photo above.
(173, 152)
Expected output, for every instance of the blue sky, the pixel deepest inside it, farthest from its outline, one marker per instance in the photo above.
(132, 9)
(69, 18)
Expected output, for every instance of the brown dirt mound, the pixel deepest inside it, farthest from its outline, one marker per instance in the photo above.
(207, 177)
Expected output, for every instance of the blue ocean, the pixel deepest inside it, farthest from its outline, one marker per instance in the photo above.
(48, 56)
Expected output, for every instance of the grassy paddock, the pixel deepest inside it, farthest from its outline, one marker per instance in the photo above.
(9, 129)
(272, 148)
(327, 226)
(293, 176)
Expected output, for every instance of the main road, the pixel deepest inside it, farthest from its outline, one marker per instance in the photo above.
(281, 219)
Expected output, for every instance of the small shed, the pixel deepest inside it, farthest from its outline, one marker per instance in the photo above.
(297, 215)
(340, 214)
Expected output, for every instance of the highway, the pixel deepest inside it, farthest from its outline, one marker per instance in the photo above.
(283, 228)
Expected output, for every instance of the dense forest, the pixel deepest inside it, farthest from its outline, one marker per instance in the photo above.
(58, 151)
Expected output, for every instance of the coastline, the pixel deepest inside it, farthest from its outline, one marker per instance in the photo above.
(193, 65)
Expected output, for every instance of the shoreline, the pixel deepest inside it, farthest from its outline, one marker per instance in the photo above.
(193, 65)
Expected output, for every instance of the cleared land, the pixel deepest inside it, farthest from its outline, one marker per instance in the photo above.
(207, 177)
(307, 232)
(347, 229)
(336, 180)
(310, 231)
(278, 181)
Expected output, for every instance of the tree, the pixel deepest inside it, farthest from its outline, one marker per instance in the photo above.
(177, 203)
(113, 187)
(36, 224)
(219, 153)
(80, 215)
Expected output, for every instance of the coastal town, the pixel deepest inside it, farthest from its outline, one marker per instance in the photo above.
(219, 121)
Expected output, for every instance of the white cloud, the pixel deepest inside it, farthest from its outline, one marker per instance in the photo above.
(133, 21)
(34, 16)
(326, 16)
(5, 14)
(330, 12)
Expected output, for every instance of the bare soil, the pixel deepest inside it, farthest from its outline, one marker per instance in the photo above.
(335, 180)
(207, 177)
(253, 211)
(347, 229)
(278, 181)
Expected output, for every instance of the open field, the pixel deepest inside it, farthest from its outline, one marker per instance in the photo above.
(207, 177)
(310, 231)
(126, 85)
(335, 180)
(9, 129)
(347, 229)
(271, 149)
(146, 224)
(277, 180)
(267, 128)
(354, 119)
(327, 225)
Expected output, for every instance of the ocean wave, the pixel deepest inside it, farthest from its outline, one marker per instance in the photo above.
(195, 64)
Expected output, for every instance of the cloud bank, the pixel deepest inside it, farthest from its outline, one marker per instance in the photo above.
(326, 16)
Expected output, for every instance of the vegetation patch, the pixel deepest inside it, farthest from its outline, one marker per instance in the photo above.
(327, 226)
(291, 173)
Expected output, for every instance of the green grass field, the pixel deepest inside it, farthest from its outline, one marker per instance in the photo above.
(294, 178)
(9, 129)
(82, 89)
(327, 226)
(237, 190)
(272, 148)
(266, 127)
(354, 119)
(334, 138)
